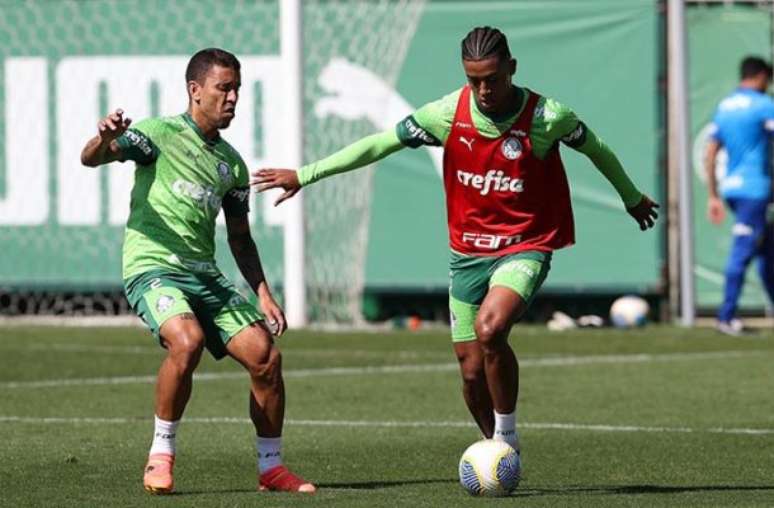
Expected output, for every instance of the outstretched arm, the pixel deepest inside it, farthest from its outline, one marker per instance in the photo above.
(428, 126)
(360, 153)
(246, 256)
(638, 205)
(103, 147)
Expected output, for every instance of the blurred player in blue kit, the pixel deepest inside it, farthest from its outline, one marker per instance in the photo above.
(742, 125)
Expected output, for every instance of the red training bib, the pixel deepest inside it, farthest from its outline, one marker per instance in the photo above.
(500, 198)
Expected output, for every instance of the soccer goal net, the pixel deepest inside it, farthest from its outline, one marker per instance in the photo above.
(353, 54)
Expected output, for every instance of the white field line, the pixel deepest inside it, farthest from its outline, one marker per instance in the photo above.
(214, 376)
(553, 361)
(563, 361)
(400, 424)
(84, 348)
(158, 351)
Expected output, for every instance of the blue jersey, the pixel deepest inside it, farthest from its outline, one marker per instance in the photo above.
(742, 124)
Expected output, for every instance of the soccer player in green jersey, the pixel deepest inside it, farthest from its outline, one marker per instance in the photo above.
(185, 173)
(508, 206)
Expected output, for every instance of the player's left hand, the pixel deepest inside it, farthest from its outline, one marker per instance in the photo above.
(644, 212)
(113, 125)
(286, 179)
(275, 317)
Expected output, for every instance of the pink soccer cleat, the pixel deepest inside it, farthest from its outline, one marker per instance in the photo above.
(279, 478)
(158, 474)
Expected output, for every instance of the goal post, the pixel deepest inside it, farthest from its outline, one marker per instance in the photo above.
(291, 53)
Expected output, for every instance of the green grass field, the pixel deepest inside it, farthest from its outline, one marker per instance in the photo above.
(653, 417)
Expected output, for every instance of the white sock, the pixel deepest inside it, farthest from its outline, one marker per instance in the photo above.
(505, 429)
(164, 437)
(269, 452)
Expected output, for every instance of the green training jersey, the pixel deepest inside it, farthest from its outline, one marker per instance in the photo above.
(553, 122)
(181, 181)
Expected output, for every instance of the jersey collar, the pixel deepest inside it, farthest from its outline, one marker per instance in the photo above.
(748, 90)
(190, 121)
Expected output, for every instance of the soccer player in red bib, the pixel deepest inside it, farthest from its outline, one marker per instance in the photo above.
(508, 207)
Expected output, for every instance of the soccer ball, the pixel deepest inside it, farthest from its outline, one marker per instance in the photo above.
(629, 311)
(490, 468)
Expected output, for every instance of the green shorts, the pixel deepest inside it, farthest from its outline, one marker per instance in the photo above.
(470, 278)
(158, 295)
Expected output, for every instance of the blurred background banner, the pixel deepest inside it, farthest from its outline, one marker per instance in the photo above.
(366, 65)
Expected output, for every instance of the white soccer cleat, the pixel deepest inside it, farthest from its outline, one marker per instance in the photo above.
(734, 328)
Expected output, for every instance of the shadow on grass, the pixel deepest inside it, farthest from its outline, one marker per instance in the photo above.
(370, 485)
(522, 492)
(203, 492)
(640, 489)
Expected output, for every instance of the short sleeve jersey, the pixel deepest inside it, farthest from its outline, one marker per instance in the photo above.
(742, 124)
(181, 181)
(553, 122)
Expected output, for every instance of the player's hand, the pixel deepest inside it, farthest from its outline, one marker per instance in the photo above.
(275, 317)
(113, 125)
(285, 179)
(716, 210)
(644, 212)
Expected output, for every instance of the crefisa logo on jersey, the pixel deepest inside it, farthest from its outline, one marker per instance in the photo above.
(511, 148)
(224, 171)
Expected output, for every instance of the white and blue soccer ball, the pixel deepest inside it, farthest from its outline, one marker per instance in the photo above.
(490, 468)
(629, 312)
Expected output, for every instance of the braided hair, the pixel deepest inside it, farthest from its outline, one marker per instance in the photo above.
(485, 42)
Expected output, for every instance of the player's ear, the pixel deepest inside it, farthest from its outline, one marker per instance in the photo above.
(512, 67)
(194, 91)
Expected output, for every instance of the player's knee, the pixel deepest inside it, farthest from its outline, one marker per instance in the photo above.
(491, 331)
(266, 365)
(472, 371)
(186, 349)
(471, 362)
